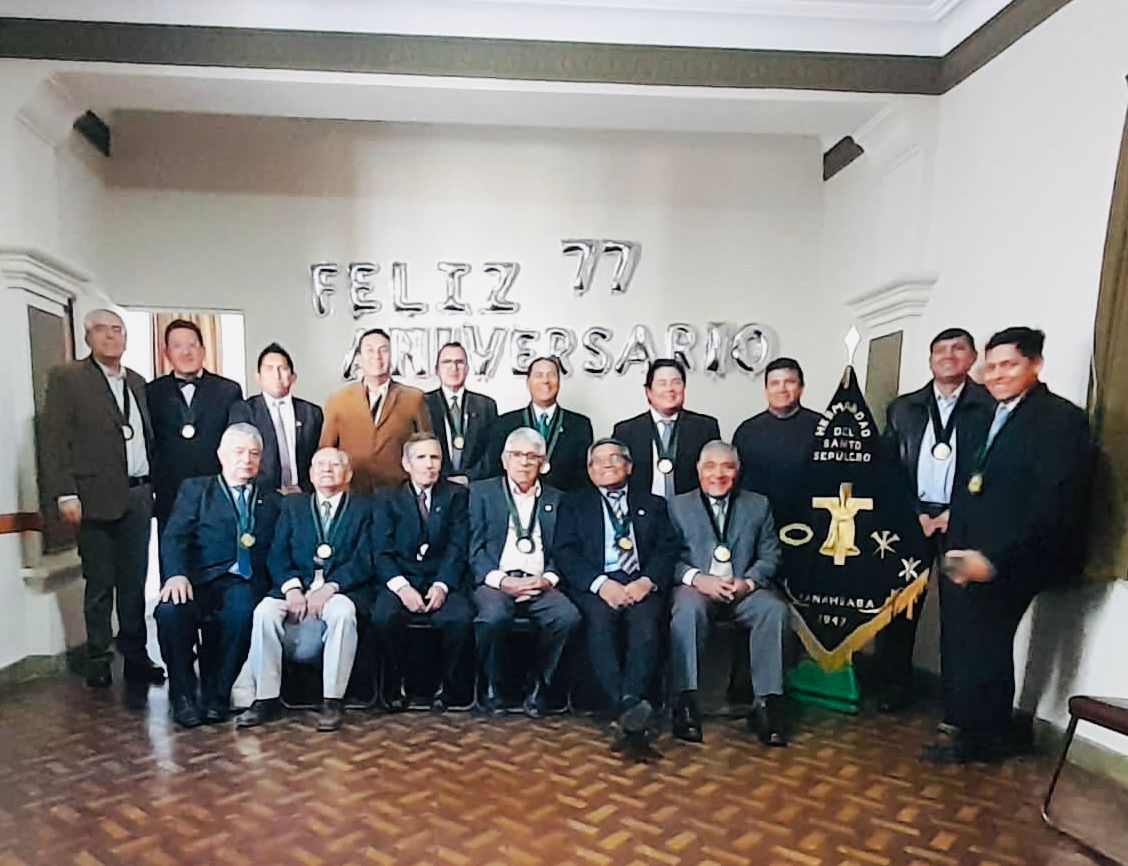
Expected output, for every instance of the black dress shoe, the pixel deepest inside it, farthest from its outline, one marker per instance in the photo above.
(635, 716)
(100, 679)
(393, 698)
(440, 701)
(215, 714)
(493, 704)
(185, 712)
(332, 715)
(141, 670)
(768, 721)
(259, 713)
(686, 722)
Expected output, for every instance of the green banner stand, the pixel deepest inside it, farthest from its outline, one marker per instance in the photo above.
(838, 690)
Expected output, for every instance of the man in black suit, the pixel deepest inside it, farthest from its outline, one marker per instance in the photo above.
(616, 551)
(214, 571)
(189, 408)
(568, 434)
(321, 568)
(512, 526)
(290, 426)
(1017, 526)
(667, 439)
(462, 419)
(420, 533)
(932, 431)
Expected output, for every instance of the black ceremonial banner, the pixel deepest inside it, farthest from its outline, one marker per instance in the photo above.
(855, 557)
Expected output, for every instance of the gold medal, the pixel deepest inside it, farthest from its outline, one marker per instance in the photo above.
(721, 553)
(975, 483)
(546, 467)
(459, 442)
(665, 465)
(941, 450)
(525, 545)
(126, 432)
(247, 540)
(625, 543)
(324, 551)
(188, 431)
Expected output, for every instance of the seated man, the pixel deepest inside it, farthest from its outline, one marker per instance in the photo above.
(419, 536)
(321, 565)
(616, 552)
(213, 562)
(731, 553)
(512, 522)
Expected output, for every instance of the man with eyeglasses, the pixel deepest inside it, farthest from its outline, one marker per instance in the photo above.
(616, 552)
(512, 527)
(461, 418)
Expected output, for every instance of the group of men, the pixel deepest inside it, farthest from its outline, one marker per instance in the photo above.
(285, 529)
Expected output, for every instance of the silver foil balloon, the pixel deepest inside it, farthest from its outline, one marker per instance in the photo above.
(400, 302)
(484, 359)
(351, 360)
(752, 347)
(409, 352)
(523, 347)
(560, 343)
(629, 253)
(322, 275)
(680, 340)
(361, 287)
(445, 334)
(498, 299)
(453, 302)
(593, 340)
(718, 338)
(588, 250)
(639, 349)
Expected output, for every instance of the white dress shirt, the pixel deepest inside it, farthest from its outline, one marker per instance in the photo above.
(716, 568)
(935, 477)
(318, 575)
(189, 390)
(285, 424)
(381, 395)
(658, 479)
(513, 559)
(610, 545)
(449, 395)
(136, 457)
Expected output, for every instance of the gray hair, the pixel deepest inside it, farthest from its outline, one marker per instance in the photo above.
(417, 437)
(241, 428)
(342, 455)
(528, 435)
(91, 318)
(610, 440)
(719, 445)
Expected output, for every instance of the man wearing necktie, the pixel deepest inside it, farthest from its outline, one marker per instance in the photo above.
(726, 570)
(461, 418)
(290, 426)
(932, 430)
(214, 571)
(98, 445)
(1017, 527)
(190, 408)
(371, 420)
(419, 538)
(567, 434)
(616, 550)
(668, 433)
(321, 571)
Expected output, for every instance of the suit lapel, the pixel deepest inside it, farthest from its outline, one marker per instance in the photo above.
(389, 406)
(98, 384)
(437, 513)
(547, 518)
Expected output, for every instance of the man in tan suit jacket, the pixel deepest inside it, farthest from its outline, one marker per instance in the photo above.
(98, 439)
(370, 420)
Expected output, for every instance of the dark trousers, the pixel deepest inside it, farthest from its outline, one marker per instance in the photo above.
(454, 620)
(894, 644)
(977, 627)
(637, 627)
(554, 616)
(115, 559)
(216, 627)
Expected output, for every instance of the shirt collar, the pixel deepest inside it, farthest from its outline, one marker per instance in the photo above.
(1008, 405)
(607, 492)
(548, 413)
(194, 380)
(234, 487)
(110, 374)
(417, 490)
(373, 396)
(534, 491)
(659, 417)
(951, 398)
(333, 500)
(448, 394)
(288, 400)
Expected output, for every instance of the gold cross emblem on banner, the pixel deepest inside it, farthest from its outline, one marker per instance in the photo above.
(840, 539)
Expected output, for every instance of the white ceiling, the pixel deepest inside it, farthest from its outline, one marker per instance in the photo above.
(921, 27)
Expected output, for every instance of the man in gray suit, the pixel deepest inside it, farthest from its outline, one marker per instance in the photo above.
(512, 522)
(730, 555)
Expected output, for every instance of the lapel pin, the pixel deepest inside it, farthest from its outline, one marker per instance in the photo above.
(642, 512)
(548, 508)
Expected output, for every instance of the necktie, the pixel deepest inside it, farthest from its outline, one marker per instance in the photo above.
(243, 558)
(1002, 413)
(542, 424)
(326, 515)
(666, 431)
(719, 511)
(283, 445)
(628, 559)
(422, 501)
(456, 414)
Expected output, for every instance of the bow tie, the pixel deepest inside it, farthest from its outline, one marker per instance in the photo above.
(185, 382)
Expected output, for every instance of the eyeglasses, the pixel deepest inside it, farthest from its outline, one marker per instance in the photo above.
(525, 456)
(613, 460)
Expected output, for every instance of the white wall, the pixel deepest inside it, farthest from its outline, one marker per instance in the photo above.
(228, 213)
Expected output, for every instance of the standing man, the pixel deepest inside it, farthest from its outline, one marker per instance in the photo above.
(568, 434)
(213, 564)
(99, 444)
(1017, 527)
(512, 527)
(321, 569)
(670, 435)
(290, 427)
(189, 408)
(730, 556)
(616, 552)
(419, 536)
(371, 420)
(933, 432)
(774, 445)
(462, 419)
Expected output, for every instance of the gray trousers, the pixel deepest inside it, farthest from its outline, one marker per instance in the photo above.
(334, 636)
(556, 619)
(762, 612)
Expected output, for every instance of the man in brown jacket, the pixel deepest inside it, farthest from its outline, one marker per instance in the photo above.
(99, 441)
(371, 420)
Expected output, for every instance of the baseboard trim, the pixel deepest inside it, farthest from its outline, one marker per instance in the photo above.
(36, 666)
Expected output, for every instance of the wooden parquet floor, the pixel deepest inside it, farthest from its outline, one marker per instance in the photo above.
(86, 781)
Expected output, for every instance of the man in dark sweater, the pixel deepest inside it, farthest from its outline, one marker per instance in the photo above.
(774, 444)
